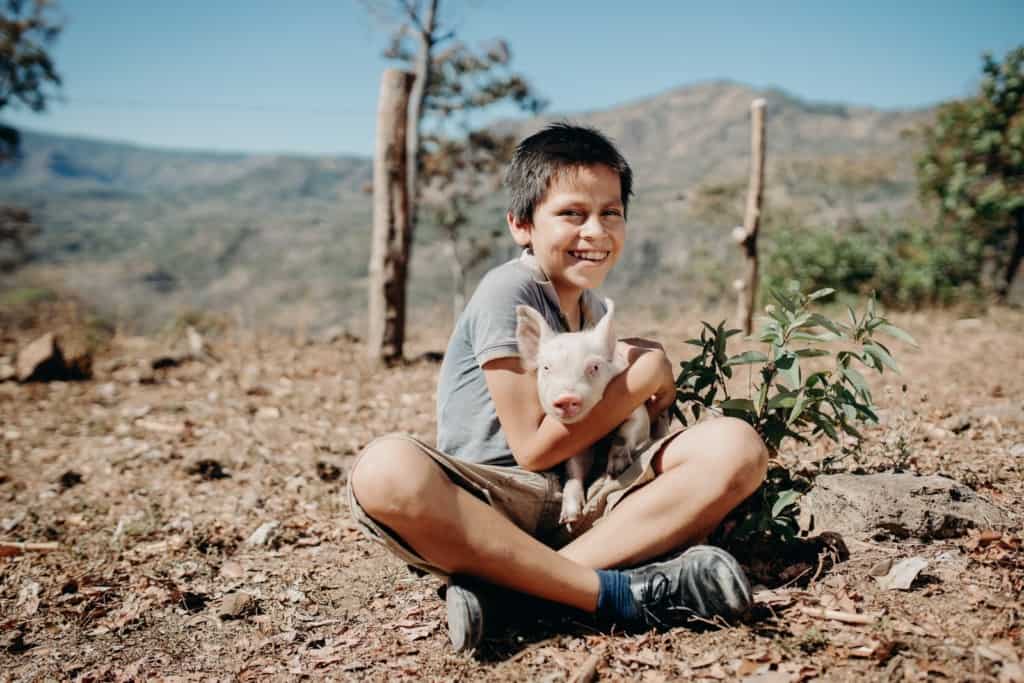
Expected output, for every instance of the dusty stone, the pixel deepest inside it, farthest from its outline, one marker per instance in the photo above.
(268, 413)
(896, 505)
(236, 605)
(263, 534)
(50, 358)
(40, 359)
(1017, 450)
(956, 424)
(107, 392)
(933, 433)
(1011, 412)
(7, 371)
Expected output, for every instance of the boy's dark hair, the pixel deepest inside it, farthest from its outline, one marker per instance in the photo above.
(559, 147)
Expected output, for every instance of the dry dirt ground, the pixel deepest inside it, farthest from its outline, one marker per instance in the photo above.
(197, 531)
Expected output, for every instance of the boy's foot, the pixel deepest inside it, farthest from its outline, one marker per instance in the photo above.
(465, 613)
(704, 581)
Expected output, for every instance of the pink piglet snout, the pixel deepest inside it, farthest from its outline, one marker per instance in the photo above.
(568, 406)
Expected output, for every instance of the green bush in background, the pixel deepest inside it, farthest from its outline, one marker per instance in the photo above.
(906, 266)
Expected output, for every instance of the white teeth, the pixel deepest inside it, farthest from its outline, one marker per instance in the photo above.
(590, 255)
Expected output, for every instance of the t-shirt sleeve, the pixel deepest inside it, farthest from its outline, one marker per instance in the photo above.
(493, 328)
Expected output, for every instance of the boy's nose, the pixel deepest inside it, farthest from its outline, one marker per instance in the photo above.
(568, 404)
(593, 226)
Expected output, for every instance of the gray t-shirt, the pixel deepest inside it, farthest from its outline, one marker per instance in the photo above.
(467, 423)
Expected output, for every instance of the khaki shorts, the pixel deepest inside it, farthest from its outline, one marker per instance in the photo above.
(531, 500)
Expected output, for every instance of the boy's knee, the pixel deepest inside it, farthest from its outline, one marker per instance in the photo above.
(745, 453)
(390, 478)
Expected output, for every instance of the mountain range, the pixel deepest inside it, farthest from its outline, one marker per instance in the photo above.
(275, 240)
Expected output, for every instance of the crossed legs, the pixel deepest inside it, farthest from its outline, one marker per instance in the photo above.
(703, 473)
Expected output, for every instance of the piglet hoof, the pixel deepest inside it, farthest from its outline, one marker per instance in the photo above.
(618, 460)
(661, 425)
(572, 503)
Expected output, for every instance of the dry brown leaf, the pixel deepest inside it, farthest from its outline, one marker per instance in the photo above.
(706, 660)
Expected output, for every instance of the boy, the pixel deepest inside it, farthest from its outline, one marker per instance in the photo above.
(482, 508)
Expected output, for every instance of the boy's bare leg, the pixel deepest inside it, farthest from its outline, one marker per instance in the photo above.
(703, 474)
(399, 486)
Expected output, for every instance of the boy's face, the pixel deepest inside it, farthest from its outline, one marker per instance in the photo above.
(578, 230)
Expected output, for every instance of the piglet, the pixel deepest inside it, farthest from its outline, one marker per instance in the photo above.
(573, 369)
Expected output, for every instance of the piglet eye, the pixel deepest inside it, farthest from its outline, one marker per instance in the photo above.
(545, 368)
(592, 368)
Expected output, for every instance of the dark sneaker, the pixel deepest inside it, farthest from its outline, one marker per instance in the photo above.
(704, 581)
(465, 613)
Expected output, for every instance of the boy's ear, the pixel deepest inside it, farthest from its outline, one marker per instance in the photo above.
(531, 329)
(522, 231)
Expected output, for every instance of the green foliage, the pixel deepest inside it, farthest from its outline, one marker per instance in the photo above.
(27, 72)
(797, 395)
(26, 296)
(973, 163)
(792, 400)
(907, 266)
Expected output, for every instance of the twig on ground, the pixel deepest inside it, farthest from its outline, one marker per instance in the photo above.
(8, 548)
(836, 615)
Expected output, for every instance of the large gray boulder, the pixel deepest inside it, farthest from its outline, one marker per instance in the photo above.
(893, 505)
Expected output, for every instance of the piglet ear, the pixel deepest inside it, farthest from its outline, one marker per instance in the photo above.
(604, 330)
(531, 329)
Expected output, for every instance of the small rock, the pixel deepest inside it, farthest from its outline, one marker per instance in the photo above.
(107, 392)
(69, 479)
(336, 333)
(933, 433)
(330, 472)
(268, 413)
(208, 469)
(40, 360)
(263, 534)
(968, 323)
(7, 372)
(956, 424)
(13, 641)
(1017, 450)
(236, 606)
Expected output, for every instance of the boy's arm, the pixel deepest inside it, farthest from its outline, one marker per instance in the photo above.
(540, 442)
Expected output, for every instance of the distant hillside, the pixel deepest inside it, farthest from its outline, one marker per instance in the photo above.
(284, 240)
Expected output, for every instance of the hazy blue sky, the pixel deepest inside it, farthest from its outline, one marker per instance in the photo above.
(265, 75)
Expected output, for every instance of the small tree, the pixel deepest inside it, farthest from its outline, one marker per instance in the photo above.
(973, 164)
(460, 166)
(451, 165)
(27, 73)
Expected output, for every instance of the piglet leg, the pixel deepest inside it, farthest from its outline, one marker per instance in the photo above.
(574, 492)
(632, 434)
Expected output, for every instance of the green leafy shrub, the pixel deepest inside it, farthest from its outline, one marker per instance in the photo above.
(796, 397)
(908, 266)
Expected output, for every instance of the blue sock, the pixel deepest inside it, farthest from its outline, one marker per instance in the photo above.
(615, 601)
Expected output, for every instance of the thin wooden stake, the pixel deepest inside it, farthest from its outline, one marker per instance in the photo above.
(746, 235)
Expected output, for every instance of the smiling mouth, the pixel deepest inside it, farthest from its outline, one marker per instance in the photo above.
(591, 256)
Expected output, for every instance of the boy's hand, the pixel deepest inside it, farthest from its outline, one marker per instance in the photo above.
(635, 347)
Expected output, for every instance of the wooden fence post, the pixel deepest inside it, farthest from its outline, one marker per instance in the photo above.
(389, 251)
(746, 235)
